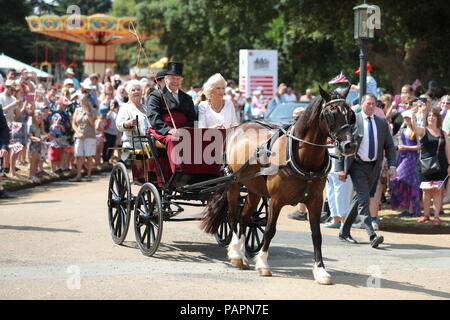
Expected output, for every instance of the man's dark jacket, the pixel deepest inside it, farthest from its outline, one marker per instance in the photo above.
(4, 131)
(156, 108)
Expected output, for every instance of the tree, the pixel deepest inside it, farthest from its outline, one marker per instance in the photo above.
(12, 27)
(206, 35)
(407, 46)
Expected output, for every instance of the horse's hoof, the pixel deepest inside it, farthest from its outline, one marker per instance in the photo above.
(321, 276)
(324, 280)
(265, 272)
(238, 263)
(245, 265)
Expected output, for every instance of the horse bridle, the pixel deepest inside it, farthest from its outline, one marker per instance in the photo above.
(329, 119)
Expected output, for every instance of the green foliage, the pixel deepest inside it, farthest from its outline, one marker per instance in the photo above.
(314, 38)
(86, 7)
(13, 27)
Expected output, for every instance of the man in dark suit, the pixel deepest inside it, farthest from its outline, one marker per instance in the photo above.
(4, 146)
(170, 108)
(373, 139)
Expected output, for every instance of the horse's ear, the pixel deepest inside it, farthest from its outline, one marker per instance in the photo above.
(325, 95)
(345, 92)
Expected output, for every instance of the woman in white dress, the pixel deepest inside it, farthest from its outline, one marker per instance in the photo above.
(126, 117)
(216, 111)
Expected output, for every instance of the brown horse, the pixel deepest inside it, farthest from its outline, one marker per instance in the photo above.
(296, 165)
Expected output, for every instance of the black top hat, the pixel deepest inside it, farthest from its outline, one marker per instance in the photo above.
(160, 75)
(174, 68)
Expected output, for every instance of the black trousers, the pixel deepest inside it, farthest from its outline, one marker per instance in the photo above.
(110, 141)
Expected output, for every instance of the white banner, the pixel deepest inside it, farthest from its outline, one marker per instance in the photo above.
(258, 70)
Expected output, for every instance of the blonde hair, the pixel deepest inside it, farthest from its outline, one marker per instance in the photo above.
(208, 86)
(386, 96)
(38, 128)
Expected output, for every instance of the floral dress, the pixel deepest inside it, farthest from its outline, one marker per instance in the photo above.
(405, 186)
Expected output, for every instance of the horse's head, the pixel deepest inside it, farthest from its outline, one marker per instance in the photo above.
(338, 118)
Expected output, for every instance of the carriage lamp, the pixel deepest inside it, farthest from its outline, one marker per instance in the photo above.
(364, 31)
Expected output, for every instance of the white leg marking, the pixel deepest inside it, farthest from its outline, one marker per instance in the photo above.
(321, 275)
(261, 260)
(235, 248)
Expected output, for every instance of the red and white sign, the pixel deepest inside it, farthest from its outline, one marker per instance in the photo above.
(258, 70)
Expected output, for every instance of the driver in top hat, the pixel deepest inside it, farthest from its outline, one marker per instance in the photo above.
(172, 98)
(170, 108)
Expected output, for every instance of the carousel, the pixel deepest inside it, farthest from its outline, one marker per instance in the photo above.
(99, 33)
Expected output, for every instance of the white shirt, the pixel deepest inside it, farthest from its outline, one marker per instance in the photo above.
(363, 151)
(7, 100)
(208, 118)
(175, 94)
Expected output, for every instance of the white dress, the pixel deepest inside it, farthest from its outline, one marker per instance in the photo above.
(208, 118)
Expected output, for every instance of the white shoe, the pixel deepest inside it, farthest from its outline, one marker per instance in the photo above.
(375, 225)
(358, 225)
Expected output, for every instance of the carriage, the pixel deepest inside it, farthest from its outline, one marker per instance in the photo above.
(290, 166)
(163, 195)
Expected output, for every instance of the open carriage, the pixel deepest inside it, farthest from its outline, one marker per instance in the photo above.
(163, 194)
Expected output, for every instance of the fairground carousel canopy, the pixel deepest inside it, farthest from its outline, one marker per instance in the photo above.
(98, 32)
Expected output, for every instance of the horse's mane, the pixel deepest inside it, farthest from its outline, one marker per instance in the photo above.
(309, 118)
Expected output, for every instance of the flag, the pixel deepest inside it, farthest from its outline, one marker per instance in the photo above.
(416, 84)
(431, 184)
(339, 79)
(15, 146)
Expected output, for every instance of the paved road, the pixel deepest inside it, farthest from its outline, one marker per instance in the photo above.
(55, 244)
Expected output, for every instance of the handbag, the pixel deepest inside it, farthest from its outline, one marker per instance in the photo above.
(431, 165)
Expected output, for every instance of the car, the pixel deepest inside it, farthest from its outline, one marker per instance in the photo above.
(282, 113)
(352, 96)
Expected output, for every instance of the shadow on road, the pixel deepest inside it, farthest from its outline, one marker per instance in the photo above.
(28, 228)
(29, 202)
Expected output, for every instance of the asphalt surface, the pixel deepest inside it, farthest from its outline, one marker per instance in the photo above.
(55, 244)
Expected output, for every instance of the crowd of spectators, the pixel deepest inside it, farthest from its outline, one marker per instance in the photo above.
(64, 126)
(70, 126)
(420, 130)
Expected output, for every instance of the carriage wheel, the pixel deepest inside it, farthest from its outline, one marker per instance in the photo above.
(148, 219)
(255, 229)
(224, 234)
(119, 203)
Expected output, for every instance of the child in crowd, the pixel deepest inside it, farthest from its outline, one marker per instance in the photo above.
(36, 138)
(100, 126)
(57, 144)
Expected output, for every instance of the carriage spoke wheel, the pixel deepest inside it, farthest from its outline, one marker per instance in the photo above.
(224, 234)
(119, 203)
(255, 229)
(148, 219)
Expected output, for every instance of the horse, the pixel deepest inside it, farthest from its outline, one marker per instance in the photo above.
(296, 163)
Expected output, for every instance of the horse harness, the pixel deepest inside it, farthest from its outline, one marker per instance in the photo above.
(265, 150)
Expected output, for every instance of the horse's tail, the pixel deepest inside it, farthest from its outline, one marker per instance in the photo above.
(215, 212)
